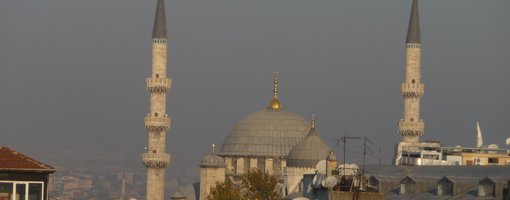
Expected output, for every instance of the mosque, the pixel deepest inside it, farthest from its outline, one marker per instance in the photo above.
(285, 144)
(273, 140)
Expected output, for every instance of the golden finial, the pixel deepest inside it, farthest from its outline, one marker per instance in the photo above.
(313, 121)
(275, 102)
(213, 145)
(276, 76)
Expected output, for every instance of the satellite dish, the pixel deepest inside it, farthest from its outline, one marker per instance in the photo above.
(331, 182)
(315, 180)
(321, 167)
(508, 141)
(492, 146)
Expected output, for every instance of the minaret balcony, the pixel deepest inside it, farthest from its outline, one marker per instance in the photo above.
(411, 128)
(158, 84)
(412, 89)
(153, 123)
(156, 160)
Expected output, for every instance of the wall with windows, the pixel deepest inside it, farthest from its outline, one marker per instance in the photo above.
(22, 190)
(23, 186)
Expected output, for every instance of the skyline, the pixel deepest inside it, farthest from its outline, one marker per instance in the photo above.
(221, 60)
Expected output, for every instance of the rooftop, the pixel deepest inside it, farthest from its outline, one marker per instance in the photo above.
(13, 161)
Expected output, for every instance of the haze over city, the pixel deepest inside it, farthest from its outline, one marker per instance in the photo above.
(72, 73)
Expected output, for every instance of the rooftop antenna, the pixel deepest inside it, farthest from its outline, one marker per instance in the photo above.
(380, 154)
(344, 140)
(365, 149)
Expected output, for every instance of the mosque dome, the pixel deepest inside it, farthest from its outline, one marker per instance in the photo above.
(309, 151)
(178, 195)
(270, 132)
(212, 160)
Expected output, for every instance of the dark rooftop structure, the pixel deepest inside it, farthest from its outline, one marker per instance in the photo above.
(439, 182)
(413, 32)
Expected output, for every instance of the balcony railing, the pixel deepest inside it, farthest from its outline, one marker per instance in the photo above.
(160, 160)
(157, 123)
(412, 89)
(158, 84)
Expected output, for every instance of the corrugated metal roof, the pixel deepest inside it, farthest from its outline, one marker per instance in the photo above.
(438, 171)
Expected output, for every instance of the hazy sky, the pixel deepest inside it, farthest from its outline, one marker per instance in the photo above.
(72, 72)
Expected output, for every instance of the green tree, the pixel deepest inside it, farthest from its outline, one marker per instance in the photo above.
(260, 185)
(225, 191)
(255, 185)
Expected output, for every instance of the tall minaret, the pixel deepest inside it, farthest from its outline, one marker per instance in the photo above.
(157, 122)
(411, 126)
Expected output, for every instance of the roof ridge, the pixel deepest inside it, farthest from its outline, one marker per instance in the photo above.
(28, 159)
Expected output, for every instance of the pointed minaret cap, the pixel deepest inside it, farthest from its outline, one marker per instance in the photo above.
(479, 138)
(413, 31)
(159, 30)
(275, 103)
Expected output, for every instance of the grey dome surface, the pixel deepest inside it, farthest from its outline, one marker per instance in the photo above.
(267, 132)
(309, 151)
(212, 160)
(178, 195)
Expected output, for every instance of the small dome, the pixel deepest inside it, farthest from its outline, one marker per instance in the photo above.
(178, 195)
(212, 160)
(309, 151)
(268, 132)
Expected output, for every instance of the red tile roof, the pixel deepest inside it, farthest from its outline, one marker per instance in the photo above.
(12, 161)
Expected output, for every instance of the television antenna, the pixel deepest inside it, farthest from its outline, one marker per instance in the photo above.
(344, 140)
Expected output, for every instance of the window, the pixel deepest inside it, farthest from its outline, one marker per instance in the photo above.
(413, 81)
(493, 160)
(445, 188)
(5, 191)
(29, 190)
(157, 75)
(486, 190)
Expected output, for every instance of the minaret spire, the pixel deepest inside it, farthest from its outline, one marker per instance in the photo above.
(159, 29)
(413, 31)
(411, 127)
(479, 138)
(157, 122)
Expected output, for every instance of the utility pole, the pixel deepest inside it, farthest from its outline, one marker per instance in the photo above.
(364, 154)
(365, 149)
(344, 140)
